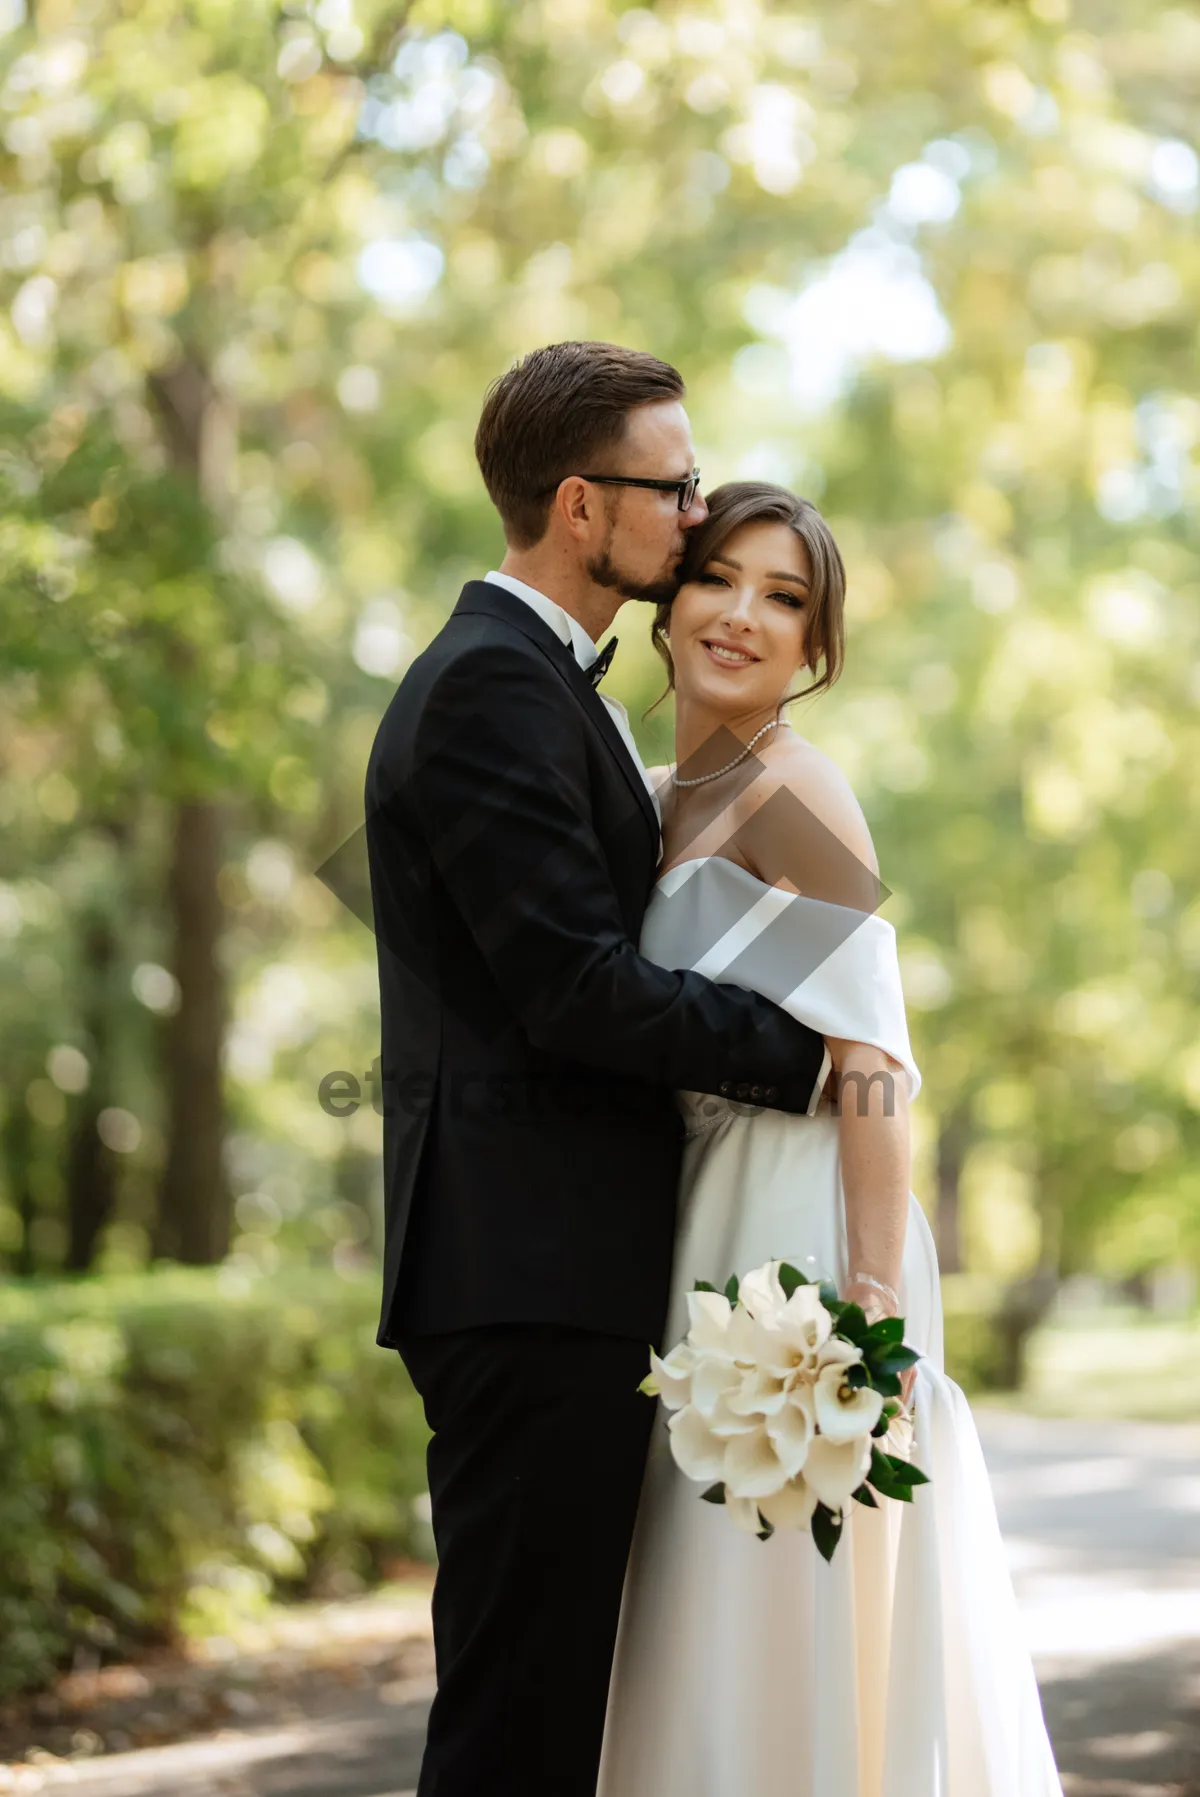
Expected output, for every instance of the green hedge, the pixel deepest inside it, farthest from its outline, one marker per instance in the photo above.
(171, 1454)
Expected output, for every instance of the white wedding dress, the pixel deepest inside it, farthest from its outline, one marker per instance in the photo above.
(747, 1668)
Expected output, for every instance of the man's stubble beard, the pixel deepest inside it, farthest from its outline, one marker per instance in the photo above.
(603, 570)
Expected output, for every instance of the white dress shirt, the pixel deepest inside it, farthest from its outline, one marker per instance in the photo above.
(569, 630)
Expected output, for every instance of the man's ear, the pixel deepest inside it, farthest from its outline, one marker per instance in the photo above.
(576, 503)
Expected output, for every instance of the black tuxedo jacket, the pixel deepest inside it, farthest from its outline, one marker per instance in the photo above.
(529, 1052)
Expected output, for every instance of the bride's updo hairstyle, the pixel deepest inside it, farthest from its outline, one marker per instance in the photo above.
(741, 502)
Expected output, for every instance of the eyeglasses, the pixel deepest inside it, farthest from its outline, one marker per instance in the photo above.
(685, 490)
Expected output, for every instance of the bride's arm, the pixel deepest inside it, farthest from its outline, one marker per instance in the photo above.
(873, 1131)
(821, 846)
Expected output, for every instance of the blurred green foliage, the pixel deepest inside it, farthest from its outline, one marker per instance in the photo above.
(972, 1342)
(176, 1450)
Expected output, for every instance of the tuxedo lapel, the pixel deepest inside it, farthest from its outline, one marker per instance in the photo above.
(484, 596)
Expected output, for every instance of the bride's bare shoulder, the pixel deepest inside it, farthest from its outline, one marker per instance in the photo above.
(827, 803)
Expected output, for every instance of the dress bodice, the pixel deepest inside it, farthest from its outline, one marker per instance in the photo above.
(833, 967)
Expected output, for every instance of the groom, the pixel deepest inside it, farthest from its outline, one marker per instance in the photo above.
(531, 1137)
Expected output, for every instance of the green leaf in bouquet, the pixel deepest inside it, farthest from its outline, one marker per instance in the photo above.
(864, 1495)
(904, 1472)
(887, 1329)
(829, 1294)
(856, 1376)
(896, 1360)
(714, 1495)
(702, 1285)
(852, 1322)
(880, 1474)
(731, 1288)
(891, 1408)
(887, 1383)
(826, 1530)
(767, 1530)
(790, 1278)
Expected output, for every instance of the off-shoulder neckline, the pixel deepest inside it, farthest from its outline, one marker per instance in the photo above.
(694, 861)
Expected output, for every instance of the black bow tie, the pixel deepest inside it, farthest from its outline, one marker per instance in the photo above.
(603, 662)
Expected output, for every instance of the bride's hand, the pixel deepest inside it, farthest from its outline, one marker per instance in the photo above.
(876, 1304)
(870, 1300)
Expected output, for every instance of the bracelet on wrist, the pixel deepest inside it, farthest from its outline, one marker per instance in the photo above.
(880, 1285)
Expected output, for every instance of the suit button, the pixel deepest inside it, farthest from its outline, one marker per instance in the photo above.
(743, 1092)
(770, 1092)
(723, 1088)
(756, 1091)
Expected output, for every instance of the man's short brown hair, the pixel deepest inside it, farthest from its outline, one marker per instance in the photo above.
(559, 411)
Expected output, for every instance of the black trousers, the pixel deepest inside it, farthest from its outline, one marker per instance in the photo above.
(539, 1444)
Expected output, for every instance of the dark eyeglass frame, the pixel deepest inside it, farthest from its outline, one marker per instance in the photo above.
(685, 490)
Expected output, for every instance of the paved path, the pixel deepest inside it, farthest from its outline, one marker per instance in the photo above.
(1102, 1523)
(1103, 1528)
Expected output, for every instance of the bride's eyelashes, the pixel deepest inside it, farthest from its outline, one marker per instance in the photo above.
(794, 600)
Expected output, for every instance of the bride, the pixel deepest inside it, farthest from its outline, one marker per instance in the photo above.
(747, 1668)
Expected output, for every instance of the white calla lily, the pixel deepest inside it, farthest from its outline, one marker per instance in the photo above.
(836, 1468)
(804, 1319)
(763, 1393)
(791, 1507)
(792, 1430)
(761, 1292)
(731, 1414)
(844, 1411)
(698, 1453)
(741, 1336)
(837, 1351)
(743, 1514)
(708, 1314)
(752, 1467)
(671, 1379)
(791, 1345)
(713, 1379)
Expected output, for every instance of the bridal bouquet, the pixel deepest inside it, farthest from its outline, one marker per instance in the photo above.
(782, 1394)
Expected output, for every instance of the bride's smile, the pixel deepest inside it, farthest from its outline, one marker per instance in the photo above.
(739, 632)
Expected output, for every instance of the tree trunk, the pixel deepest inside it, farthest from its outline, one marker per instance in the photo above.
(91, 1167)
(193, 1208)
(18, 1156)
(1024, 1307)
(953, 1141)
(200, 431)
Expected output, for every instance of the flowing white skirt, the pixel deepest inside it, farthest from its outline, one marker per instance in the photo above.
(747, 1668)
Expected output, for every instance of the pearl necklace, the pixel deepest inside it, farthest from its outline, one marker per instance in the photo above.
(703, 779)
